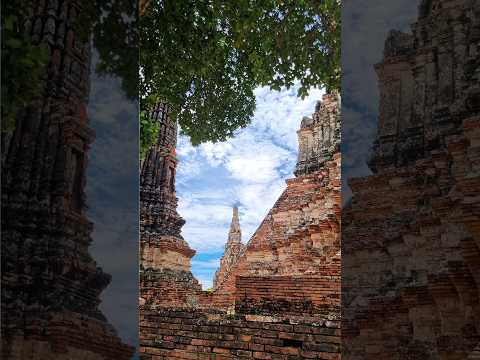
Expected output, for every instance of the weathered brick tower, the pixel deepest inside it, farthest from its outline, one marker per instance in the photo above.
(300, 236)
(233, 249)
(50, 283)
(165, 277)
(410, 268)
(318, 137)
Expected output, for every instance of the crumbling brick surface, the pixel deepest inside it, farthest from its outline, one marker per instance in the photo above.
(309, 295)
(192, 334)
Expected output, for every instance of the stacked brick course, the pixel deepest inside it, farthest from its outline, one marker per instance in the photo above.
(309, 295)
(411, 246)
(51, 286)
(193, 334)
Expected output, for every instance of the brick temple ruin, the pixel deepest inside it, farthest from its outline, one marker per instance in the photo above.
(276, 297)
(411, 267)
(50, 283)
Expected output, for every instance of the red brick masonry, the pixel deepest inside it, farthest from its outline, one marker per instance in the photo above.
(190, 334)
(288, 294)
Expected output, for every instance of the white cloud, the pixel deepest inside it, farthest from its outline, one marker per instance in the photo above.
(205, 281)
(249, 169)
(279, 113)
(256, 161)
(215, 153)
(206, 264)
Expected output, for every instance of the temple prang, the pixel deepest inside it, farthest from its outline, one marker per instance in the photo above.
(285, 279)
(319, 136)
(233, 249)
(165, 276)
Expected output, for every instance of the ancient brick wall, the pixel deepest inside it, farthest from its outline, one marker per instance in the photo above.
(167, 287)
(312, 295)
(410, 244)
(65, 336)
(191, 334)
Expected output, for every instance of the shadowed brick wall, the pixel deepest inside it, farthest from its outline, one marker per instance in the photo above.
(51, 285)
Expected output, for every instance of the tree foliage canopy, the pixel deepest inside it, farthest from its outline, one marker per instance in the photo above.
(205, 58)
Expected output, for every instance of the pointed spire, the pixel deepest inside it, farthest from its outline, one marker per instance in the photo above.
(235, 234)
(233, 250)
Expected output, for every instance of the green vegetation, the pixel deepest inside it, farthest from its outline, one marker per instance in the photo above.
(205, 58)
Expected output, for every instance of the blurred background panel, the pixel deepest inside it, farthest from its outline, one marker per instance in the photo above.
(410, 240)
(69, 180)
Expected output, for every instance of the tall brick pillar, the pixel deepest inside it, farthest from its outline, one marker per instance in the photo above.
(165, 256)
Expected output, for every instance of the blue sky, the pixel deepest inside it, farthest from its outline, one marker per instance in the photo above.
(249, 170)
